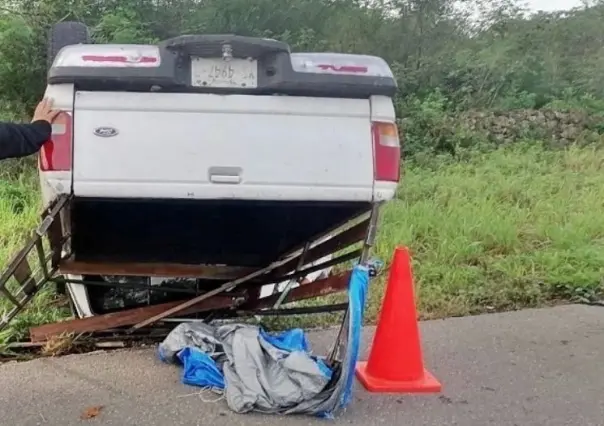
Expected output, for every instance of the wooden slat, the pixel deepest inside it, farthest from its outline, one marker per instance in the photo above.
(122, 318)
(338, 242)
(70, 266)
(9, 296)
(318, 288)
(22, 271)
(23, 276)
(336, 229)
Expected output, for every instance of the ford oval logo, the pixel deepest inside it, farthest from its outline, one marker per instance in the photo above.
(105, 132)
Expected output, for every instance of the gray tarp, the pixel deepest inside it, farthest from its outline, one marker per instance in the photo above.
(258, 375)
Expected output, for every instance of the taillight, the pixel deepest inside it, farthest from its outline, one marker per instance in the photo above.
(55, 155)
(340, 64)
(108, 56)
(387, 151)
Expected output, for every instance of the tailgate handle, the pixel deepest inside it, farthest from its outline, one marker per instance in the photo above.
(230, 175)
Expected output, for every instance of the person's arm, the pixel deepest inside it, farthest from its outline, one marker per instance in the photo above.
(21, 140)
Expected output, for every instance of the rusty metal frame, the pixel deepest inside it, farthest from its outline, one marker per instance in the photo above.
(313, 252)
(290, 267)
(227, 302)
(291, 282)
(20, 269)
(73, 267)
(347, 235)
(354, 232)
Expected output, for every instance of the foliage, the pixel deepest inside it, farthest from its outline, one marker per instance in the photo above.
(511, 228)
(497, 57)
(427, 125)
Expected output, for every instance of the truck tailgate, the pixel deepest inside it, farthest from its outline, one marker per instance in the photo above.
(200, 146)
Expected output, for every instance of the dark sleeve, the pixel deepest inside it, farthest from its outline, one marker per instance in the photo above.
(21, 140)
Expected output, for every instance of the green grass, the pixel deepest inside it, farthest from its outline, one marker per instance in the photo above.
(19, 213)
(514, 228)
(519, 227)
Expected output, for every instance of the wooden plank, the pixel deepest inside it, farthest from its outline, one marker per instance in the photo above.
(333, 284)
(323, 265)
(16, 267)
(122, 318)
(9, 296)
(318, 288)
(23, 275)
(22, 271)
(70, 266)
(336, 229)
(338, 242)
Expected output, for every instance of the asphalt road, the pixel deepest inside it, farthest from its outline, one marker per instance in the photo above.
(535, 367)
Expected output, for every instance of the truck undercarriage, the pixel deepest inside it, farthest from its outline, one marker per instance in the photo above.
(208, 287)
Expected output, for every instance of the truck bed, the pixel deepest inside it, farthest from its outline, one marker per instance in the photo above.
(222, 232)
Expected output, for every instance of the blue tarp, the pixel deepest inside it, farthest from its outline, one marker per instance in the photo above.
(199, 369)
(357, 294)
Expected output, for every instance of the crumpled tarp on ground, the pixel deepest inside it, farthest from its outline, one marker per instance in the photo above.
(269, 373)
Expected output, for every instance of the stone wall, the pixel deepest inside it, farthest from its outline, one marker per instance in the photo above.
(558, 127)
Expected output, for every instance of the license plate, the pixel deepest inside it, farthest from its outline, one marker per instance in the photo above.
(234, 73)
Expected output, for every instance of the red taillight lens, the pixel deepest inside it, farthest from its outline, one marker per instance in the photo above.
(56, 153)
(387, 151)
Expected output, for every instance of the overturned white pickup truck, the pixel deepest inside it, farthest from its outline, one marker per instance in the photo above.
(208, 157)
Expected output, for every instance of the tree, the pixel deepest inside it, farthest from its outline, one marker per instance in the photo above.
(477, 54)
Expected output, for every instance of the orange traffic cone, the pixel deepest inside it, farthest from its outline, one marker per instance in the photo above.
(395, 363)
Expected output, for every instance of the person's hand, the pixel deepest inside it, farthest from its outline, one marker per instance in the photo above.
(45, 112)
